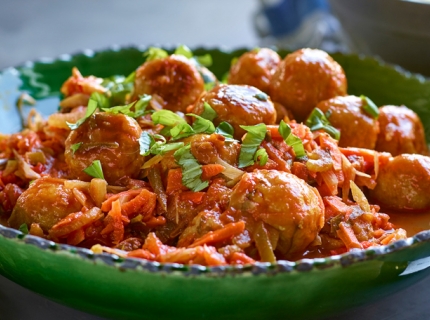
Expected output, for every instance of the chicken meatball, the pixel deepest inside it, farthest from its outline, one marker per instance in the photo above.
(404, 183)
(238, 105)
(174, 79)
(401, 131)
(357, 128)
(255, 68)
(284, 202)
(111, 138)
(46, 202)
(304, 78)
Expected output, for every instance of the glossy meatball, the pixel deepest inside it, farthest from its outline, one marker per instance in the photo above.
(401, 131)
(357, 128)
(255, 68)
(238, 105)
(404, 183)
(175, 79)
(46, 202)
(304, 78)
(283, 201)
(111, 138)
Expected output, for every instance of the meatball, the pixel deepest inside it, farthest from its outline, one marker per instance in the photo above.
(238, 105)
(111, 138)
(401, 131)
(304, 78)
(404, 183)
(45, 202)
(255, 68)
(357, 128)
(283, 201)
(175, 79)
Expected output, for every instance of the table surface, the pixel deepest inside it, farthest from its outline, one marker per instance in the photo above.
(48, 28)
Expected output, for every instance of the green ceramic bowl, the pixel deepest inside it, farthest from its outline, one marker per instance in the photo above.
(136, 289)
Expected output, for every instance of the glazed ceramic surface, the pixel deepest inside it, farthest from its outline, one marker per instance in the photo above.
(136, 289)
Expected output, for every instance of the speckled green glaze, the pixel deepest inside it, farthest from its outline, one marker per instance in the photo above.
(136, 289)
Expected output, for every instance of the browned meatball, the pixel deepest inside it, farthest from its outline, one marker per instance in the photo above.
(255, 68)
(304, 78)
(175, 79)
(357, 128)
(404, 183)
(284, 202)
(46, 202)
(401, 131)
(238, 105)
(111, 138)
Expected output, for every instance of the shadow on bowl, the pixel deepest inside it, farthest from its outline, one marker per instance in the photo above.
(396, 30)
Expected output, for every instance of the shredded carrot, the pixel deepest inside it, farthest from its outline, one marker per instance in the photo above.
(76, 237)
(141, 254)
(227, 232)
(143, 204)
(387, 239)
(75, 221)
(300, 170)
(154, 245)
(115, 224)
(274, 132)
(275, 155)
(337, 205)
(241, 258)
(127, 195)
(327, 142)
(195, 197)
(347, 235)
(174, 181)
(211, 170)
(155, 222)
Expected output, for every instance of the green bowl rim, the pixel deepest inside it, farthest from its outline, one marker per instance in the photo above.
(281, 266)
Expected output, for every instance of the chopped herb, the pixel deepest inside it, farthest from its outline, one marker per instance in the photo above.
(91, 108)
(182, 130)
(191, 169)
(95, 170)
(202, 125)
(262, 154)
(205, 60)
(225, 129)
(291, 139)
(184, 51)
(234, 61)
(155, 53)
(119, 87)
(208, 113)
(250, 144)
(139, 107)
(101, 99)
(261, 96)
(75, 147)
(23, 228)
(318, 121)
(145, 142)
(148, 144)
(370, 107)
(167, 118)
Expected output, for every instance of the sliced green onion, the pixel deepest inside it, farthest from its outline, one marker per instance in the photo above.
(370, 107)
(255, 135)
(184, 51)
(154, 53)
(191, 169)
(95, 170)
(318, 121)
(261, 156)
(23, 228)
(75, 147)
(291, 139)
(91, 108)
(225, 129)
(205, 60)
(208, 113)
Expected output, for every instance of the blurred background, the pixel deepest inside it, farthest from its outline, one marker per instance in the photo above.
(398, 31)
